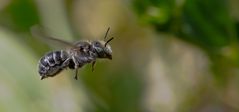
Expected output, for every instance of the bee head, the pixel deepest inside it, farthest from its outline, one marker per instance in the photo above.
(103, 49)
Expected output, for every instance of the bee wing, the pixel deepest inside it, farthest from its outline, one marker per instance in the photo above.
(40, 34)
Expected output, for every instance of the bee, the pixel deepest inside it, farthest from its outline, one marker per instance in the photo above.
(76, 56)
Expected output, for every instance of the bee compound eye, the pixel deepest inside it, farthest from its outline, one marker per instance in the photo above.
(99, 49)
(97, 44)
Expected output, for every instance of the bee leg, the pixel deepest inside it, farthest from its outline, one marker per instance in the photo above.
(76, 74)
(93, 66)
(76, 67)
(65, 63)
(43, 77)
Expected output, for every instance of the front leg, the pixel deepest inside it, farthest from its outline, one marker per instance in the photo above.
(93, 66)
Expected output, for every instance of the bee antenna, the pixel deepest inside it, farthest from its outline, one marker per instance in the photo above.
(106, 33)
(109, 41)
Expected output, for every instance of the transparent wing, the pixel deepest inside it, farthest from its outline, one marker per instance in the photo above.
(38, 32)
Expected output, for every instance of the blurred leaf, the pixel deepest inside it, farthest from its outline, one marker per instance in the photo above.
(126, 90)
(118, 91)
(20, 83)
(20, 15)
(156, 12)
(207, 23)
(201, 22)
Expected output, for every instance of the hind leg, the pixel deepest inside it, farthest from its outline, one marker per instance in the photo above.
(93, 66)
(76, 67)
(76, 74)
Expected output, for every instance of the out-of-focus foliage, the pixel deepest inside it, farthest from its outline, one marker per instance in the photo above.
(207, 24)
(106, 92)
(202, 22)
(168, 55)
(19, 15)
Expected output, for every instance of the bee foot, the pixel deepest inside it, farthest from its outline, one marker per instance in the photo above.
(76, 74)
(76, 78)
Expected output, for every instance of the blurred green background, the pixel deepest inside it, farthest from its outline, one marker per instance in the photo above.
(168, 56)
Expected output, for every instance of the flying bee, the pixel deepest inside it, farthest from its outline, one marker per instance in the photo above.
(77, 55)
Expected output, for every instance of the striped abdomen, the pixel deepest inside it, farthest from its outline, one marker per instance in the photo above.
(51, 64)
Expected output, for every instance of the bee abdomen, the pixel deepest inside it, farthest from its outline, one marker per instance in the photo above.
(50, 64)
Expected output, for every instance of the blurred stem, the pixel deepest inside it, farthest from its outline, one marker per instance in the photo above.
(177, 19)
(233, 54)
(223, 69)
